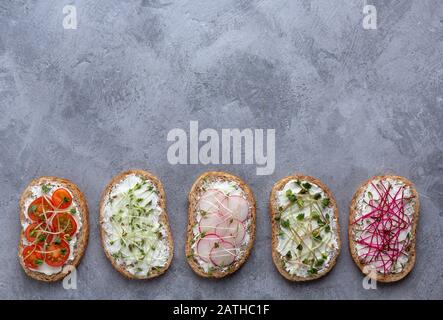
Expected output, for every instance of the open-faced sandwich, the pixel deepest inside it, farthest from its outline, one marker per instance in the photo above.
(134, 225)
(305, 228)
(221, 224)
(55, 228)
(382, 227)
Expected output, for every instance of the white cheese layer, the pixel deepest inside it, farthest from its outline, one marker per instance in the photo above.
(134, 233)
(370, 193)
(36, 192)
(302, 253)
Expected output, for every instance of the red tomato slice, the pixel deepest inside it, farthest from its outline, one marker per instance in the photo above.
(57, 253)
(61, 198)
(64, 223)
(38, 208)
(32, 256)
(38, 232)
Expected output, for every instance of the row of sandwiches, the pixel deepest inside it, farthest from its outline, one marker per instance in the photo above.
(137, 239)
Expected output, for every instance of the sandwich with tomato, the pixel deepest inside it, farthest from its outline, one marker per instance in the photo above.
(55, 228)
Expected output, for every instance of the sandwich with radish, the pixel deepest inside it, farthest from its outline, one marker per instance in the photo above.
(383, 221)
(221, 224)
(55, 228)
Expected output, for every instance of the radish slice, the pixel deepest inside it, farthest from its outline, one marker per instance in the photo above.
(209, 223)
(236, 207)
(232, 230)
(205, 245)
(210, 201)
(223, 255)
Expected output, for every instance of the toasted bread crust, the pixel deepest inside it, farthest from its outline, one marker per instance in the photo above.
(163, 218)
(193, 199)
(82, 236)
(273, 211)
(353, 212)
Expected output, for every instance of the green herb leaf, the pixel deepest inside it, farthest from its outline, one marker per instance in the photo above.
(300, 247)
(288, 255)
(57, 240)
(285, 224)
(325, 202)
(312, 271)
(317, 196)
(46, 188)
(315, 215)
(319, 262)
(290, 195)
(300, 217)
(33, 208)
(316, 235)
(73, 211)
(38, 262)
(307, 185)
(328, 228)
(300, 203)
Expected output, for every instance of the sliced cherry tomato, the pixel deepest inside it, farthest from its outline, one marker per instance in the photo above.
(64, 223)
(33, 256)
(57, 252)
(61, 198)
(38, 208)
(38, 232)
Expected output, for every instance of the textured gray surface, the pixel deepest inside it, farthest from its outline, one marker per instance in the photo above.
(346, 103)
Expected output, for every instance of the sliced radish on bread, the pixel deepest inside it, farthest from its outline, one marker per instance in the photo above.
(223, 254)
(235, 206)
(232, 230)
(205, 245)
(210, 201)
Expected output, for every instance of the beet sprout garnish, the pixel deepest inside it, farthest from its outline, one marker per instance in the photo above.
(381, 228)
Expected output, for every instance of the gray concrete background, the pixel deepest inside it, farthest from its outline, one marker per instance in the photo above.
(346, 103)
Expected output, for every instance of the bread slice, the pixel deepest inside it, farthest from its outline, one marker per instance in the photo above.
(82, 235)
(163, 219)
(276, 222)
(391, 277)
(195, 193)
